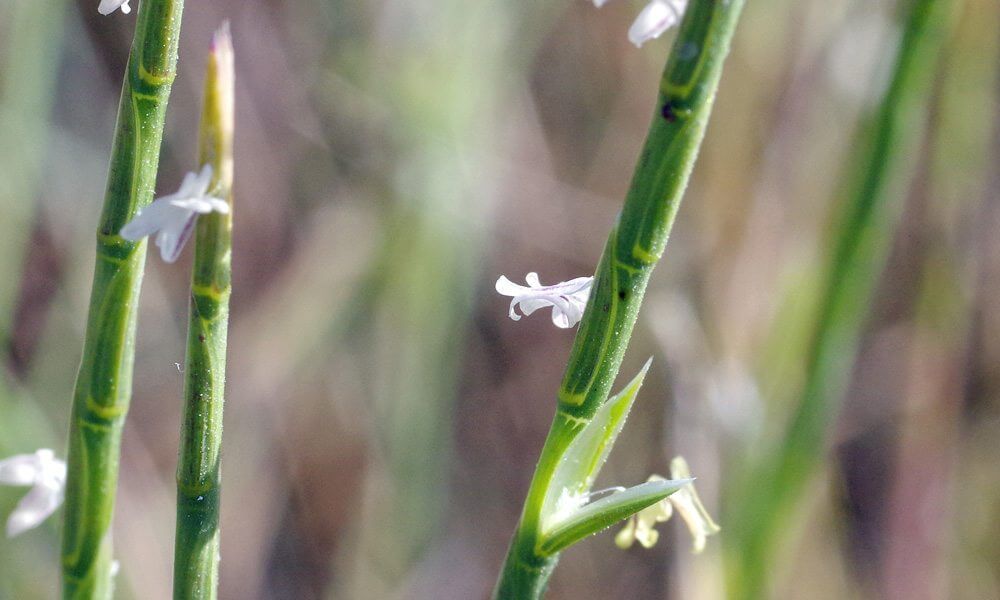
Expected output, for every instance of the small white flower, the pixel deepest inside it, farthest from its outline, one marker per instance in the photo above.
(174, 216)
(567, 299)
(109, 6)
(46, 475)
(641, 527)
(657, 17)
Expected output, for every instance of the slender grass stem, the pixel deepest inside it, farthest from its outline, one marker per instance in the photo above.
(196, 552)
(29, 71)
(687, 91)
(860, 247)
(104, 383)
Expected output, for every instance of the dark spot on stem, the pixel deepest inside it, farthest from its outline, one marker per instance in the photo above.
(201, 337)
(668, 112)
(606, 307)
(622, 294)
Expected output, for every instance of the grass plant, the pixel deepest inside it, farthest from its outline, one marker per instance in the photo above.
(634, 246)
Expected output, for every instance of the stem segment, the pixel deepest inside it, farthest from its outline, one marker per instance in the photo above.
(196, 551)
(687, 90)
(104, 383)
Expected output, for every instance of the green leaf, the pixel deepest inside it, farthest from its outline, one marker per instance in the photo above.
(603, 513)
(588, 452)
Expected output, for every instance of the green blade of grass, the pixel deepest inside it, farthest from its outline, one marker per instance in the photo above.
(859, 249)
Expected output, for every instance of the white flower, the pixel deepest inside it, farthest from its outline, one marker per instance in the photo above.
(567, 299)
(109, 6)
(640, 528)
(174, 216)
(657, 17)
(46, 475)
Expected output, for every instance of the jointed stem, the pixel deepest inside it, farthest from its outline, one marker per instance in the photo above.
(104, 383)
(196, 551)
(635, 244)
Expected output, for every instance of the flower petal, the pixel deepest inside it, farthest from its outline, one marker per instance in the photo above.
(35, 507)
(189, 185)
(107, 7)
(506, 287)
(530, 305)
(218, 205)
(171, 241)
(202, 181)
(149, 220)
(560, 319)
(201, 204)
(657, 17)
(569, 315)
(22, 469)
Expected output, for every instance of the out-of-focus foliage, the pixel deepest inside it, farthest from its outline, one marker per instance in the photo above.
(393, 158)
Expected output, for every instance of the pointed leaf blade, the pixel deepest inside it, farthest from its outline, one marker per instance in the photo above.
(601, 514)
(587, 453)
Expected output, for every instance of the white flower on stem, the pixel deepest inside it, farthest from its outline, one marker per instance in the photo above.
(641, 527)
(657, 17)
(174, 216)
(567, 299)
(46, 475)
(109, 6)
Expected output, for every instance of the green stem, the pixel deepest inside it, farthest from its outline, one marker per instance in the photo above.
(196, 551)
(28, 77)
(860, 248)
(104, 383)
(687, 91)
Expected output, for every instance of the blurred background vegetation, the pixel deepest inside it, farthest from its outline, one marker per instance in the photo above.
(393, 158)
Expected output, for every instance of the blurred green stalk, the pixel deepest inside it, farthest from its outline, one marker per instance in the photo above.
(859, 250)
(104, 382)
(29, 70)
(687, 91)
(196, 550)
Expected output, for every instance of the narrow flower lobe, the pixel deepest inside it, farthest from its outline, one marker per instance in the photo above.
(46, 475)
(109, 6)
